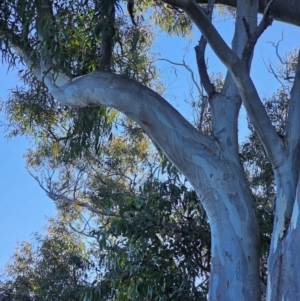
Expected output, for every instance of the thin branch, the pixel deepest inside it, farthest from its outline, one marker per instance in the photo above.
(247, 27)
(56, 197)
(205, 80)
(81, 232)
(200, 56)
(271, 70)
(202, 68)
(188, 68)
(204, 103)
(101, 212)
(265, 22)
(276, 46)
(267, 9)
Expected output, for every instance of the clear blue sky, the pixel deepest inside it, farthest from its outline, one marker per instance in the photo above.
(24, 205)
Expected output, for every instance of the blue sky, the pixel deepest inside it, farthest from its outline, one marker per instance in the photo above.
(24, 205)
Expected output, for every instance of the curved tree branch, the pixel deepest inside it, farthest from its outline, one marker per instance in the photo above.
(283, 11)
(181, 142)
(188, 149)
(202, 68)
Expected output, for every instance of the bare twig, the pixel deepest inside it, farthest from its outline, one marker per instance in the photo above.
(188, 68)
(277, 49)
(58, 197)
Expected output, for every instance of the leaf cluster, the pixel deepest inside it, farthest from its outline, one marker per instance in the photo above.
(158, 246)
(53, 267)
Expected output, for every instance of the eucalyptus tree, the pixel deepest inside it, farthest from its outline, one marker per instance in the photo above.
(53, 267)
(74, 47)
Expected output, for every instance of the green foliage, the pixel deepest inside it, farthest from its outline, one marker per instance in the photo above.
(72, 33)
(32, 111)
(53, 267)
(171, 20)
(158, 246)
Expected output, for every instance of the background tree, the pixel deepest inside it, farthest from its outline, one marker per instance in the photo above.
(145, 238)
(54, 267)
(72, 48)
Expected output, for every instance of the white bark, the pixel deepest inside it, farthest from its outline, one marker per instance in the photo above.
(293, 122)
(283, 262)
(284, 156)
(235, 237)
(159, 119)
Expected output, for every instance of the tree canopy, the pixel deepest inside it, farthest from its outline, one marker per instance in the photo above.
(85, 61)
